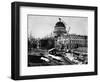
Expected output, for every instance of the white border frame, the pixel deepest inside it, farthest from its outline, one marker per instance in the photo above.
(25, 70)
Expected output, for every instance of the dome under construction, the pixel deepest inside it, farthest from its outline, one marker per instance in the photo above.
(60, 28)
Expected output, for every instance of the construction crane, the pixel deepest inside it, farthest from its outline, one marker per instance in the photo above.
(68, 29)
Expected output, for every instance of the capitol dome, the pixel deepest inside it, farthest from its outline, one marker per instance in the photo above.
(59, 28)
(60, 24)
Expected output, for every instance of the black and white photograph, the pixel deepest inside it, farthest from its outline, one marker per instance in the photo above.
(57, 40)
(53, 40)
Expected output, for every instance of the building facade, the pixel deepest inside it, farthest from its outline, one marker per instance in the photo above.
(66, 40)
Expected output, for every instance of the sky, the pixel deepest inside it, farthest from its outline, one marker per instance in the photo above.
(40, 26)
